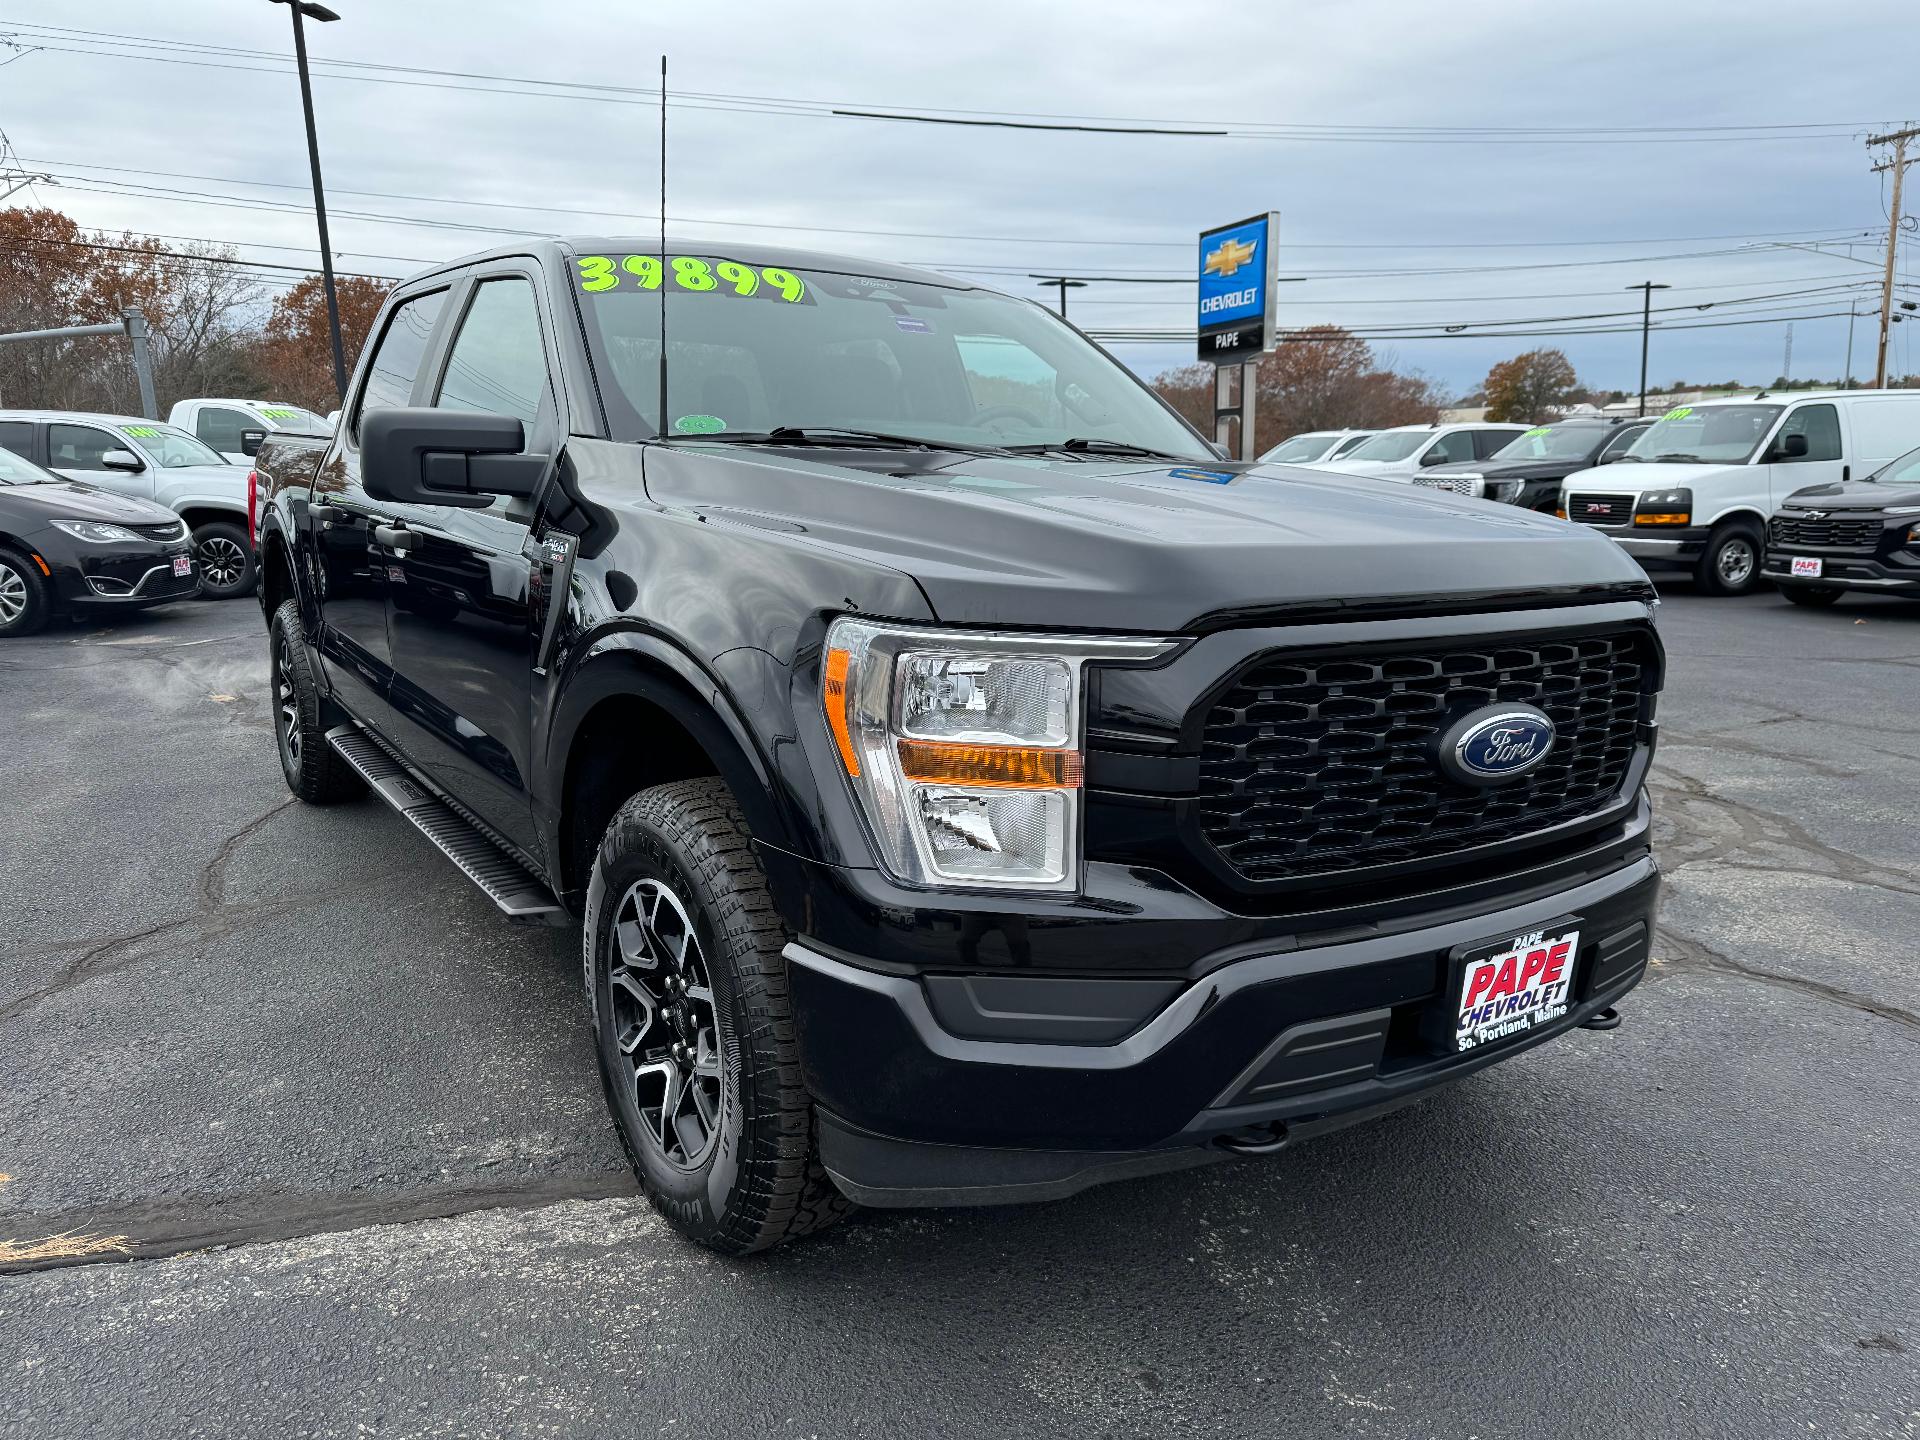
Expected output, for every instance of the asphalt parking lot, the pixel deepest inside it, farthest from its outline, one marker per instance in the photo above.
(351, 1127)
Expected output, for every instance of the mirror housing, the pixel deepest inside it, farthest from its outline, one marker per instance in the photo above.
(1791, 447)
(461, 458)
(1432, 457)
(251, 441)
(123, 460)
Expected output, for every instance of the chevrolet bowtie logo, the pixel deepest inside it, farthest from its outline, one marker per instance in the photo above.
(1231, 255)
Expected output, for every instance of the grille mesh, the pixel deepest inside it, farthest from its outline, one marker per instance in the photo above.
(1600, 509)
(1834, 532)
(1312, 764)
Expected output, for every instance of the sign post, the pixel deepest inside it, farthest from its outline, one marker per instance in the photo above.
(1239, 267)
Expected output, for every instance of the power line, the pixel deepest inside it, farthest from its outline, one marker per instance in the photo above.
(118, 45)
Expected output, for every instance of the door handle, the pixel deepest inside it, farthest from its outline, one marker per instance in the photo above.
(326, 514)
(396, 537)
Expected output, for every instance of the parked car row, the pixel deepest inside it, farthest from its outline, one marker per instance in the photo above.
(1817, 491)
(147, 460)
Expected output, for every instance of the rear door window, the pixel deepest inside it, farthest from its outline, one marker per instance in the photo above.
(1487, 443)
(396, 362)
(17, 436)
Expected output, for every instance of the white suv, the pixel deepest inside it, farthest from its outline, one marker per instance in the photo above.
(1315, 446)
(1403, 452)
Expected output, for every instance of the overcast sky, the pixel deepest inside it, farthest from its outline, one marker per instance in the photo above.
(1016, 201)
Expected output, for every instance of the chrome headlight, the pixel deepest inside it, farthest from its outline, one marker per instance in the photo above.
(1505, 491)
(963, 748)
(94, 532)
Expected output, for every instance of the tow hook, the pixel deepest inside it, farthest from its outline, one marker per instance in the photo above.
(1260, 1140)
(1607, 1019)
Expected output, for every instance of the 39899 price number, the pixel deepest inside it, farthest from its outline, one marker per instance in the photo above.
(597, 274)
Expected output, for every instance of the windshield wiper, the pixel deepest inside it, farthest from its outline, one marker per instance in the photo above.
(1080, 445)
(835, 435)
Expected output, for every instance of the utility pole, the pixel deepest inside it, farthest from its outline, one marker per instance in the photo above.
(1646, 289)
(309, 10)
(1786, 362)
(1898, 165)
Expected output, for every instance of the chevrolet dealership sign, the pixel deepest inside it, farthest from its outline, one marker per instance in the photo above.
(1238, 267)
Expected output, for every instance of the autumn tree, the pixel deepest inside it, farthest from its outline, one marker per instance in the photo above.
(1536, 386)
(296, 352)
(200, 306)
(1189, 389)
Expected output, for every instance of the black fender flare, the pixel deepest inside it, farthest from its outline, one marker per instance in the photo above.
(648, 666)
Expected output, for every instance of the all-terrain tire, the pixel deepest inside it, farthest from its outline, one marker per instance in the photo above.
(756, 1178)
(313, 769)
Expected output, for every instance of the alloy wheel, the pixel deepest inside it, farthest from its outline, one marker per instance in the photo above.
(1736, 562)
(13, 594)
(664, 1024)
(288, 703)
(222, 562)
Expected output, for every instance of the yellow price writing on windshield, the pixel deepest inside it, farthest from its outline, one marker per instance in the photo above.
(597, 274)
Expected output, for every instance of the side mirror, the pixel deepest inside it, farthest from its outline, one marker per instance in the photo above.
(1791, 447)
(123, 460)
(1433, 457)
(461, 458)
(251, 441)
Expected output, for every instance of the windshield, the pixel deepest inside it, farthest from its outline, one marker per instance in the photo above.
(1390, 445)
(1723, 434)
(1904, 470)
(1555, 442)
(290, 417)
(17, 471)
(759, 348)
(1300, 447)
(170, 448)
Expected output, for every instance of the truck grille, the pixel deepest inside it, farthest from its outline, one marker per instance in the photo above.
(1600, 509)
(1312, 764)
(1458, 484)
(1832, 533)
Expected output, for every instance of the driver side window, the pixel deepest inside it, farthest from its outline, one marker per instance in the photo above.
(1821, 425)
(1457, 446)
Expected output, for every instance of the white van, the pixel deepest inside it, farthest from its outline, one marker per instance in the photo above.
(1694, 493)
(223, 424)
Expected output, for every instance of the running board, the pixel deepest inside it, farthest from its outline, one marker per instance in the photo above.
(521, 896)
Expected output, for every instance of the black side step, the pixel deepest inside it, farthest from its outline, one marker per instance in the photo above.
(509, 884)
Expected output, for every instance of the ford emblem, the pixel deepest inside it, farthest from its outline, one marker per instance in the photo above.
(1495, 745)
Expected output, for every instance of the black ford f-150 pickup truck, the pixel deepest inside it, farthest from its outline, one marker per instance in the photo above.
(971, 787)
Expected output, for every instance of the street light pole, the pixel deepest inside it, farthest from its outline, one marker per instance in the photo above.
(1065, 284)
(318, 12)
(1646, 288)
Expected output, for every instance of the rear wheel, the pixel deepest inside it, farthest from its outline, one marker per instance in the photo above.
(314, 770)
(1815, 596)
(692, 1023)
(1730, 565)
(24, 602)
(225, 559)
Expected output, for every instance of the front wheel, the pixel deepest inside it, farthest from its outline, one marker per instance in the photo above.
(1814, 596)
(225, 559)
(1730, 565)
(692, 1024)
(24, 603)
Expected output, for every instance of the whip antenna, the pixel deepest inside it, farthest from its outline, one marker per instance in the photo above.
(663, 245)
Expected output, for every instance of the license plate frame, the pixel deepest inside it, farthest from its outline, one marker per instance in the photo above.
(1552, 981)
(1807, 567)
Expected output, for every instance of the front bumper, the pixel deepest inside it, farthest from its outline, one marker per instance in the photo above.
(934, 1090)
(1679, 549)
(1895, 574)
(121, 576)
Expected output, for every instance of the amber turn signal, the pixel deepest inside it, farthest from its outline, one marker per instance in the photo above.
(1002, 767)
(834, 692)
(1681, 519)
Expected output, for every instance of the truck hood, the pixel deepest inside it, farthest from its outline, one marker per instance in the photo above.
(1631, 477)
(201, 477)
(1854, 495)
(73, 501)
(1098, 544)
(1507, 469)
